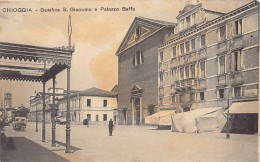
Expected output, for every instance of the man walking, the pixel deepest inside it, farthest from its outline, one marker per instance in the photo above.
(110, 127)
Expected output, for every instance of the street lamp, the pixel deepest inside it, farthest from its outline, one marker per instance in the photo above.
(36, 116)
(228, 115)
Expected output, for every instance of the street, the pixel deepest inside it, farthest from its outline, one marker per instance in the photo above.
(129, 143)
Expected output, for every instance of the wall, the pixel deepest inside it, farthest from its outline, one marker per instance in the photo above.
(246, 77)
(143, 75)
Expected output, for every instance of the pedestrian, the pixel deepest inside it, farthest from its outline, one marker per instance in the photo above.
(87, 123)
(110, 127)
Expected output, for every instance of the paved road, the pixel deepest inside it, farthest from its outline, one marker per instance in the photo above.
(135, 144)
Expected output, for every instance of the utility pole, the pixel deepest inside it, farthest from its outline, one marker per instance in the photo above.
(228, 91)
(68, 92)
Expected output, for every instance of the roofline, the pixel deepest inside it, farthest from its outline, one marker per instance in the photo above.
(128, 32)
(212, 22)
(38, 47)
(215, 12)
(196, 6)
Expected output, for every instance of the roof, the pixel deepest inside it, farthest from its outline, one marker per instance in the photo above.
(154, 25)
(209, 23)
(214, 12)
(244, 107)
(97, 92)
(164, 23)
(59, 59)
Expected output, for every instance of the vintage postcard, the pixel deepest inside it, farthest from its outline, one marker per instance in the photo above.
(129, 80)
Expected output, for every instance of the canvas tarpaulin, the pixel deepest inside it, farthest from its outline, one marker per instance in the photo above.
(250, 107)
(161, 118)
(198, 120)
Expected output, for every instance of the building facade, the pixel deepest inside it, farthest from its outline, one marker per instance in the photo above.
(36, 103)
(93, 104)
(138, 69)
(211, 60)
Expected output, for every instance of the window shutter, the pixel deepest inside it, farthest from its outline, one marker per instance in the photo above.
(232, 61)
(239, 60)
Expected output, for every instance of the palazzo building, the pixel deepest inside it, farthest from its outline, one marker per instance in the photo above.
(207, 59)
(212, 59)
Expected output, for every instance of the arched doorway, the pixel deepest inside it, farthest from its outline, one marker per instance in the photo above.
(137, 109)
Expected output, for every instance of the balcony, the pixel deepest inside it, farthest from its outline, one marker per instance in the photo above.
(236, 78)
(188, 83)
(222, 79)
(201, 84)
(177, 84)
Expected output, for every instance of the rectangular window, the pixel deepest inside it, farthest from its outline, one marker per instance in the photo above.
(88, 102)
(138, 58)
(105, 103)
(192, 97)
(173, 99)
(187, 74)
(237, 61)
(182, 24)
(161, 77)
(221, 93)
(188, 21)
(182, 48)
(161, 101)
(182, 73)
(202, 40)
(222, 68)
(89, 117)
(174, 74)
(193, 16)
(161, 56)
(202, 96)
(181, 98)
(238, 26)
(222, 32)
(192, 68)
(104, 117)
(187, 46)
(193, 44)
(237, 92)
(174, 51)
(202, 69)
(96, 117)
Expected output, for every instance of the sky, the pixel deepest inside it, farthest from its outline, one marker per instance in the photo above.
(97, 36)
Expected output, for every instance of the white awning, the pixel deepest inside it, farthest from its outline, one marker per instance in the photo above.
(244, 107)
(155, 118)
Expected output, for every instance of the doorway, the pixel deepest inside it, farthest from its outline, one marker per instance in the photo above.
(137, 108)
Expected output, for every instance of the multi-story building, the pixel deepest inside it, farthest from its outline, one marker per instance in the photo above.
(211, 60)
(94, 104)
(36, 103)
(138, 69)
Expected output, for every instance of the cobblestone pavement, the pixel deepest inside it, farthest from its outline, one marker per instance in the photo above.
(130, 144)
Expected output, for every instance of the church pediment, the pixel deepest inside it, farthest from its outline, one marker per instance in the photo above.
(140, 29)
(187, 8)
(136, 88)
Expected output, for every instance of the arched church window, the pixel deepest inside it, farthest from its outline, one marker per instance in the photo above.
(138, 58)
(137, 32)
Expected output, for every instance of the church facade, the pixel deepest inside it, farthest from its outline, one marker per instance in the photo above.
(138, 69)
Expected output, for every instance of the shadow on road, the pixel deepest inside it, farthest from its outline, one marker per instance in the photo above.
(73, 149)
(29, 151)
